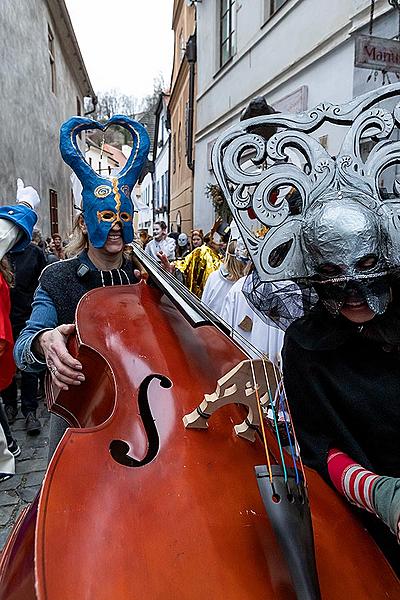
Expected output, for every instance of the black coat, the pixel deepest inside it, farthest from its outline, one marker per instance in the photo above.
(27, 266)
(343, 389)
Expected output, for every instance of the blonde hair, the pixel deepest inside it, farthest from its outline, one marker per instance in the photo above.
(234, 266)
(5, 270)
(79, 240)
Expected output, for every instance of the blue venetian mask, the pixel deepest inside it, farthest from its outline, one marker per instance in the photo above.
(105, 201)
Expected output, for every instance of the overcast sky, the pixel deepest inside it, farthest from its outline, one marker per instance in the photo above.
(125, 44)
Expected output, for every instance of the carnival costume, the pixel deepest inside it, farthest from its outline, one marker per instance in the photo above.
(105, 202)
(133, 474)
(197, 267)
(337, 237)
(16, 226)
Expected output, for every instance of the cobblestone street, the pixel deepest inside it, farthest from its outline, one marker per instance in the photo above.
(16, 493)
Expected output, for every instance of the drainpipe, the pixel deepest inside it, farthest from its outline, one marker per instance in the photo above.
(94, 103)
(191, 57)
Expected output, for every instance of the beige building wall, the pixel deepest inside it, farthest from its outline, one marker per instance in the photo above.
(181, 175)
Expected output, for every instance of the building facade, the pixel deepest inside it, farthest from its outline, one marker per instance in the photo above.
(145, 213)
(182, 116)
(43, 83)
(277, 49)
(161, 152)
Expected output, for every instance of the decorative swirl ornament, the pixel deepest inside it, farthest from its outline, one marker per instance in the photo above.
(102, 191)
(283, 181)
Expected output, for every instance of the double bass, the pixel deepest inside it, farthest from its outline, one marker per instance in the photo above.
(143, 500)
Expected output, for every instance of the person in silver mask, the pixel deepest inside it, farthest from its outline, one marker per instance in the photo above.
(346, 247)
(340, 242)
(346, 353)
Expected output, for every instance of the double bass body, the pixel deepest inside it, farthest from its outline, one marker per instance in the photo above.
(135, 506)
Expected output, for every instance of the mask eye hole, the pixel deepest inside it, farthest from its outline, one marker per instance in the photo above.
(102, 191)
(107, 215)
(329, 269)
(125, 217)
(367, 262)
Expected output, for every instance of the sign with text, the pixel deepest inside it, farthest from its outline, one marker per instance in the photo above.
(377, 53)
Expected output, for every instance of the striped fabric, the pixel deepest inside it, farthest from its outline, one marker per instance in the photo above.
(351, 479)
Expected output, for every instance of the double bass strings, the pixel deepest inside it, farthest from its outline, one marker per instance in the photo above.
(261, 416)
(220, 324)
(275, 419)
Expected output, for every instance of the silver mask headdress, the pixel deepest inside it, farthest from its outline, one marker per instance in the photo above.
(331, 226)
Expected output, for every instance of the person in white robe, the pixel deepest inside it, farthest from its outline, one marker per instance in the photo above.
(221, 281)
(245, 324)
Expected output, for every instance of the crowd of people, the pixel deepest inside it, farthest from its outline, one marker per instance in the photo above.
(20, 268)
(355, 316)
(213, 266)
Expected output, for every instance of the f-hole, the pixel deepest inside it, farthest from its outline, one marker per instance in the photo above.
(119, 449)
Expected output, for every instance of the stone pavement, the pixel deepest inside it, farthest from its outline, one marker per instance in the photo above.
(20, 490)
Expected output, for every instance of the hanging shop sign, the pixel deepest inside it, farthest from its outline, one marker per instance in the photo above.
(377, 53)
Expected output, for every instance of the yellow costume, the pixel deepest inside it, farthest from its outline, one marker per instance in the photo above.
(197, 266)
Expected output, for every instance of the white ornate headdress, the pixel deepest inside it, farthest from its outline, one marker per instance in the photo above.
(321, 179)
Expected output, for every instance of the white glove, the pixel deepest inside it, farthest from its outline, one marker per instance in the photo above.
(27, 195)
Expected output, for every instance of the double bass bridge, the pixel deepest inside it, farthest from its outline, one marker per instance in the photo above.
(249, 382)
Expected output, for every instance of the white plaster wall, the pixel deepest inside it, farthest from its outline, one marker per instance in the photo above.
(266, 53)
(30, 114)
(307, 43)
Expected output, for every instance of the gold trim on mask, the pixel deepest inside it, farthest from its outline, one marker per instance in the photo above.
(109, 216)
(117, 195)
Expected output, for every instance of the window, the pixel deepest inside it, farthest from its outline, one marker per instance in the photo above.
(179, 144)
(179, 221)
(162, 126)
(182, 47)
(227, 31)
(53, 212)
(272, 6)
(52, 59)
(164, 190)
(174, 153)
(276, 4)
(157, 198)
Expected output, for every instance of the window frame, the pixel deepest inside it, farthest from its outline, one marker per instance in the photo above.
(230, 39)
(52, 58)
(270, 8)
(53, 204)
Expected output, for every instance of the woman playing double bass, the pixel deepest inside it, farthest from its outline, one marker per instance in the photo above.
(97, 247)
(135, 504)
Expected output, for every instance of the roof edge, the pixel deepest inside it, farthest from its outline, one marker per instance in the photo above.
(59, 12)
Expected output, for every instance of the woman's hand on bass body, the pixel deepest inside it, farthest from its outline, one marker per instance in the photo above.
(64, 368)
